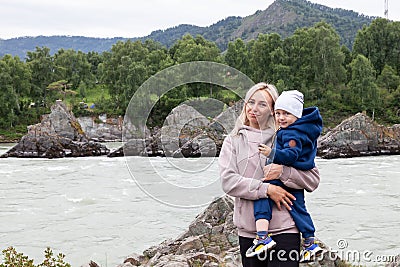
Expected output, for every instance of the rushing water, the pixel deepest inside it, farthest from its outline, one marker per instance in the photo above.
(96, 208)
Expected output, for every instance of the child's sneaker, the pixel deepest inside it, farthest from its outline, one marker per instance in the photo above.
(260, 245)
(310, 252)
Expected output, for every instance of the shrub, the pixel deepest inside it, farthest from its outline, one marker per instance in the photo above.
(14, 259)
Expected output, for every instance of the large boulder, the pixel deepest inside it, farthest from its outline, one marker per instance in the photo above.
(359, 136)
(225, 121)
(58, 135)
(60, 122)
(101, 128)
(181, 127)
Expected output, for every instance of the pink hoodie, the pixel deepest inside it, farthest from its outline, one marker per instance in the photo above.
(241, 171)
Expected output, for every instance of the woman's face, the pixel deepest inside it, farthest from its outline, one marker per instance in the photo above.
(259, 109)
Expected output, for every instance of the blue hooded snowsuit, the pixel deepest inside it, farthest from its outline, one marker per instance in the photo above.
(295, 146)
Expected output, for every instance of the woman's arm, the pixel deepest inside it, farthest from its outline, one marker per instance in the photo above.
(298, 179)
(292, 177)
(233, 183)
(308, 180)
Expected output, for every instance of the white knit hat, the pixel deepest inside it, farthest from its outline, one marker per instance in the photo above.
(291, 101)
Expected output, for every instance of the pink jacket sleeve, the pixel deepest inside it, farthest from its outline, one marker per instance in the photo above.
(297, 179)
(233, 183)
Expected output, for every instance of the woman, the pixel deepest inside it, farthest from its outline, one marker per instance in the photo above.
(242, 170)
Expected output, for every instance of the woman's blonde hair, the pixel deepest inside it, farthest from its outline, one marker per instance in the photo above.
(242, 119)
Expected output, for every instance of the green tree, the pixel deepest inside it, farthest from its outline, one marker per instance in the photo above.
(326, 58)
(128, 65)
(190, 49)
(298, 49)
(379, 42)
(314, 63)
(388, 79)
(41, 65)
(393, 106)
(14, 259)
(73, 67)
(362, 89)
(347, 60)
(266, 55)
(61, 87)
(14, 88)
(237, 56)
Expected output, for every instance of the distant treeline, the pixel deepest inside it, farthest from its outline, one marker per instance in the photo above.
(338, 80)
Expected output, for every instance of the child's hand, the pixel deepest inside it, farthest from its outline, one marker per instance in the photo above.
(264, 149)
(272, 171)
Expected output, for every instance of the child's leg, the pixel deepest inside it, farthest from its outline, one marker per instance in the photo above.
(305, 225)
(262, 227)
(262, 214)
(300, 214)
(263, 211)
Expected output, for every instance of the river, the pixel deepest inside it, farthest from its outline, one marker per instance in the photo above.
(103, 209)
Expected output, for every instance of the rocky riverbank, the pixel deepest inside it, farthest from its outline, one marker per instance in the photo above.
(210, 241)
(358, 136)
(58, 135)
(185, 133)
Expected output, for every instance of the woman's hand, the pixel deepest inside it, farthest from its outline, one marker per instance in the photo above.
(272, 171)
(280, 196)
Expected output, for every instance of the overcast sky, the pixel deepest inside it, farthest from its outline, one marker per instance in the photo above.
(137, 18)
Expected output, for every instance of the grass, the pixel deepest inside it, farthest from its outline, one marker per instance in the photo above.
(91, 96)
(12, 134)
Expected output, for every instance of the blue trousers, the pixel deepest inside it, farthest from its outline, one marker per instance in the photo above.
(299, 213)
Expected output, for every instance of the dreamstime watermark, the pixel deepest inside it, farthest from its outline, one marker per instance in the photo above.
(360, 256)
(331, 254)
(183, 182)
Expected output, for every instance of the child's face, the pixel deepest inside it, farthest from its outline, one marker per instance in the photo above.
(284, 118)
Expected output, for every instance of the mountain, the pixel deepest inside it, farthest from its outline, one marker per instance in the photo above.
(282, 17)
(19, 46)
(285, 16)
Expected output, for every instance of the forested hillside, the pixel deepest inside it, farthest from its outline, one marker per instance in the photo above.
(339, 81)
(282, 17)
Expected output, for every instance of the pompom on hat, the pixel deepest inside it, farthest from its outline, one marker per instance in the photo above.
(291, 101)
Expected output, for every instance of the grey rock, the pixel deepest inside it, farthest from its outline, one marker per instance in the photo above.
(395, 263)
(225, 122)
(135, 147)
(182, 124)
(58, 135)
(359, 136)
(134, 259)
(60, 122)
(101, 128)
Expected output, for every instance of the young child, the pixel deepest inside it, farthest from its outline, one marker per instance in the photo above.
(295, 146)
